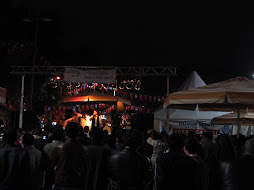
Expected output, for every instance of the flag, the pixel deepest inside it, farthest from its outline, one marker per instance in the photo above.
(145, 97)
(155, 99)
(131, 96)
(140, 97)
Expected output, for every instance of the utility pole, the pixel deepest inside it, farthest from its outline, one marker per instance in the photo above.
(36, 21)
(21, 102)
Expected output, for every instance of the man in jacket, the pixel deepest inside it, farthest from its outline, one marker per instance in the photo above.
(47, 157)
(243, 171)
(174, 170)
(14, 163)
(127, 168)
(97, 156)
(71, 168)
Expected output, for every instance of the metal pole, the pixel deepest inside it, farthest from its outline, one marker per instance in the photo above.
(167, 85)
(34, 61)
(167, 125)
(238, 120)
(21, 102)
(115, 89)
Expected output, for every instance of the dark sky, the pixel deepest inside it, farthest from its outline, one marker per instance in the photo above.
(216, 39)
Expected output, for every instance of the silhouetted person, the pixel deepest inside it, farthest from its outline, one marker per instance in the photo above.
(47, 154)
(97, 156)
(14, 163)
(245, 167)
(173, 166)
(158, 145)
(39, 142)
(81, 137)
(145, 148)
(34, 158)
(127, 168)
(86, 131)
(192, 148)
(226, 159)
(210, 162)
(71, 166)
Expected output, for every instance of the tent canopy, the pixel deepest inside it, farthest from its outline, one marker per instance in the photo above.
(195, 115)
(222, 95)
(232, 119)
(193, 81)
(93, 97)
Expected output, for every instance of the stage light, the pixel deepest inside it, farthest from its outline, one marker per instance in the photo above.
(58, 77)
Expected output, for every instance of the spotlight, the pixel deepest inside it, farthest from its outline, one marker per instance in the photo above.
(58, 77)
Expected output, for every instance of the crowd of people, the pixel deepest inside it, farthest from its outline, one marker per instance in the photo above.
(74, 158)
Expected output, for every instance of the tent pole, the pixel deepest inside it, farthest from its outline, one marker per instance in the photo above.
(167, 85)
(21, 103)
(167, 125)
(238, 120)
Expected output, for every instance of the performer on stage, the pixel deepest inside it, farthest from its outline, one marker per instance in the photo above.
(96, 119)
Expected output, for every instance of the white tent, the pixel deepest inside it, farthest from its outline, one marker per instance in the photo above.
(193, 81)
(186, 118)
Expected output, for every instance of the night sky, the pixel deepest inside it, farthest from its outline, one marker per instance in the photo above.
(213, 38)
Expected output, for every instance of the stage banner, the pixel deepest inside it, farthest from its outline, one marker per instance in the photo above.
(199, 126)
(90, 76)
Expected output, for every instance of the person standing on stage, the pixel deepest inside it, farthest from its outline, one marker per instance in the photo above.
(96, 120)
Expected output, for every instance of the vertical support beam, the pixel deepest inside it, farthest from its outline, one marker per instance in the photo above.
(167, 124)
(238, 120)
(115, 89)
(167, 85)
(21, 102)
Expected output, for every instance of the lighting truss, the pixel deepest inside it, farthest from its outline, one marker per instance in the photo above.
(121, 71)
